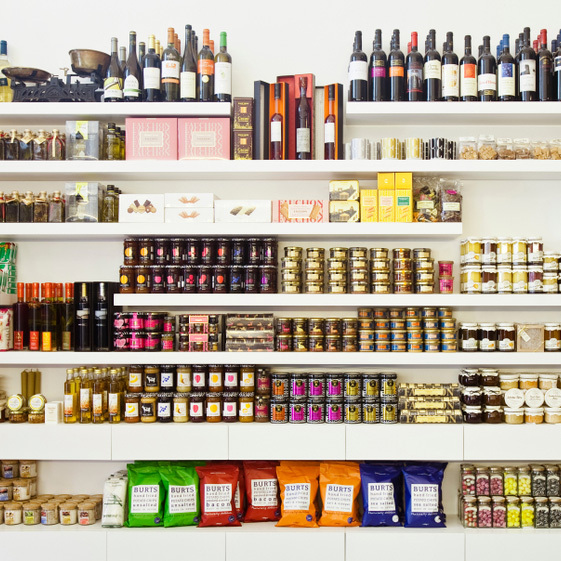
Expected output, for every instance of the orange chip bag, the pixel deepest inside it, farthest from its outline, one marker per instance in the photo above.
(339, 484)
(298, 482)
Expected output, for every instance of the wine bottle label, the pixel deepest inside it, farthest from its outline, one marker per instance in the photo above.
(507, 84)
(433, 70)
(378, 71)
(66, 340)
(34, 340)
(46, 341)
(415, 77)
(329, 133)
(527, 73)
(397, 71)
(100, 315)
(487, 83)
(188, 81)
(113, 88)
(358, 70)
(276, 131)
(205, 67)
(223, 78)
(151, 78)
(468, 80)
(302, 140)
(131, 87)
(450, 82)
(170, 72)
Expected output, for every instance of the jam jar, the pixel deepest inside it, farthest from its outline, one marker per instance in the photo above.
(492, 396)
(468, 336)
(506, 337)
(493, 415)
(489, 377)
(472, 396)
(487, 337)
(552, 337)
(472, 415)
(469, 377)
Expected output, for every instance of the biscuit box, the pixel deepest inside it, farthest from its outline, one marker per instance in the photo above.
(300, 211)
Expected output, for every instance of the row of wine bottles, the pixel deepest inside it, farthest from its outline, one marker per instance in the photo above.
(532, 73)
(151, 76)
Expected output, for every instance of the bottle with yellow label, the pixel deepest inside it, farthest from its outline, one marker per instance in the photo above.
(70, 398)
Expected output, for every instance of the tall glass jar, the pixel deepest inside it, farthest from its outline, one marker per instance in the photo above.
(541, 512)
(499, 512)
(484, 516)
(527, 514)
(513, 512)
(469, 512)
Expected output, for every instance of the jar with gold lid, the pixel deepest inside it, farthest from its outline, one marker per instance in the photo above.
(213, 407)
(147, 409)
(246, 407)
(180, 408)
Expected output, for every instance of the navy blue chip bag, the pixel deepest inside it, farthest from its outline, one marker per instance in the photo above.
(381, 494)
(423, 495)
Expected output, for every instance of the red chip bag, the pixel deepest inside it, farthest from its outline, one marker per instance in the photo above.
(240, 500)
(217, 488)
(262, 491)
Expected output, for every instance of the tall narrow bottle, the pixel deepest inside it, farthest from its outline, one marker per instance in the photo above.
(171, 66)
(329, 125)
(98, 397)
(432, 70)
(468, 73)
(21, 320)
(205, 70)
(132, 87)
(223, 72)
(113, 83)
(276, 151)
(377, 80)
(527, 69)
(101, 319)
(141, 53)
(67, 318)
(114, 400)
(358, 71)
(545, 70)
(6, 92)
(303, 124)
(557, 72)
(122, 59)
(396, 70)
(487, 73)
(506, 72)
(70, 398)
(49, 341)
(188, 76)
(151, 71)
(450, 71)
(86, 394)
(82, 330)
(34, 308)
(414, 65)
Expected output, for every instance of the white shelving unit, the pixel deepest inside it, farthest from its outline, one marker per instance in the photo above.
(341, 301)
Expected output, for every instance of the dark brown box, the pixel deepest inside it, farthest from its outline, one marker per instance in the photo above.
(243, 113)
(243, 145)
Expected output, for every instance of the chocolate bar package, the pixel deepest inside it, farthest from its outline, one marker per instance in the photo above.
(428, 390)
(445, 403)
(243, 114)
(250, 322)
(428, 416)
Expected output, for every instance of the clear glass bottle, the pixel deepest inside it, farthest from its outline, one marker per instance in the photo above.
(112, 143)
(56, 146)
(56, 208)
(41, 208)
(26, 207)
(40, 146)
(12, 207)
(109, 210)
(11, 146)
(26, 143)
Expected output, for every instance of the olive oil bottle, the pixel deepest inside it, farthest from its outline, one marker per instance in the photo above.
(86, 391)
(70, 398)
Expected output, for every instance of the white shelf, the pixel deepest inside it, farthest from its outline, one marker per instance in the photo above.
(421, 360)
(341, 301)
(404, 442)
(453, 113)
(272, 170)
(56, 113)
(96, 232)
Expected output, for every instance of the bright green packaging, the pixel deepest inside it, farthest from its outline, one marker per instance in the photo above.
(182, 506)
(146, 496)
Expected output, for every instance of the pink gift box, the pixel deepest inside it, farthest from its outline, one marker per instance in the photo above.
(151, 139)
(204, 138)
(300, 211)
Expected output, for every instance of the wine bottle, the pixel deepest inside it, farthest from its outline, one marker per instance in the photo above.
(358, 71)
(468, 73)
(132, 89)
(113, 83)
(223, 72)
(303, 124)
(527, 69)
(171, 65)
(21, 320)
(49, 341)
(141, 53)
(67, 318)
(432, 72)
(6, 92)
(34, 308)
(329, 125)
(414, 66)
(277, 125)
(557, 72)
(545, 66)
(151, 72)
(506, 72)
(450, 82)
(188, 76)
(82, 321)
(396, 70)
(101, 320)
(377, 70)
(487, 73)
(122, 59)
(205, 70)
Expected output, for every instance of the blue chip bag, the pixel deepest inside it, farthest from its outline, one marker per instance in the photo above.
(381, 494)
(423, 495)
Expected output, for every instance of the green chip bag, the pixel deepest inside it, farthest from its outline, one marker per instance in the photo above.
(146, 497)
(182, 500)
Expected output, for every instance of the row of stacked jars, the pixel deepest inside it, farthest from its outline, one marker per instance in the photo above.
(406, 330)
(507, 251)
(33, 146)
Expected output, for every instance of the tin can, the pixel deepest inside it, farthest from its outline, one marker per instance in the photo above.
(315, 411)
(379, 264)
(283, 326)
(382, 335)
(414, 346)
(291, 287)
(397, 324)
(332, 343)
(431, 346)
(401, 253)
(388, 385)
(370, 386)
(299, 326)
(414, 335)
(332, 326)
(279, 411)
(313, 288)
(334, 385)
(121, 321)
(431, 324)
(383, 324)
(396, 313)
(316, 385)
(315, 326)
(297, 412)
(379, 253)
(381, 288)
(365, 346)
(291, 275)
(353, 383)
(299, 343)
(283, 343)
(298, 386)
(337, 287)
(338, 253)
(388, 412)
(398, 335)
(293, 252)
(371, 412)
(315, 253)
(316, 343)
(398, 347)
(334, 411)
(382, 275)
(349, 327)
(349, 344)
(382, 346)
(431, 335)
(365, 313)
(352, 412)
(280, 384)
(366, 335)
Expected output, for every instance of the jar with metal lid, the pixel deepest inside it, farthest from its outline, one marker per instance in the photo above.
(496, 483)
(499, 512)
(424, 265)
(164, 408)
(489, 280)
(551, 261)
(541, 512)
(130, 251)
(132, 408)
(28, 469)
(293, 252)
(550, 284)
(262, 408)
(472, 414)
(535, 279)
(6, 490)
(489, 251)
(179, 254)
(127, 279)
(279, 411)
(489, 377)
(552, 337)
(471, 280)
(539, 481)
(555, 512)
(511, 481)
(148, 409)
(247, 378)
(508, 381)
(469, 377)
(251, 279)
(506, 337)
(180, 408)
(484, 516)
(348, 344)
(197, 409)
(487, 337)
(300, 343)
(471, 396)
(519, 279)
(469, 511)
(213, 407)
(471, 251)
(468, 337)
(146, 251)
(553, 481)
(230, 407)
(504, 251)
(534, 415)
(379, 253)
(245, 407)
(527, 514)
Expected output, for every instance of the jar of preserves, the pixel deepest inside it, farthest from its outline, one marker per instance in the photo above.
(493, 415)
(145, 251)
(132, 408)
(489, 251)
(519, 279)
(230, 407)
(550, 284)
(504, 279)
(164, 408)
(130, 251)
(469, 377)
(468, 337)
(213, 407)
(148, 408)
(197, 409)
(552, 337)
(487, 337)
(508, 381)
(550, 261)
(492, 396)
(489, 280)
(262, 408)
(180, 408)
(534, 415)
(471, 251)
(127, 279)
(472, 396)
(506, 337)
(489, 377)
(535, 279)
(504, 251)
(245, 407)
(528, 381)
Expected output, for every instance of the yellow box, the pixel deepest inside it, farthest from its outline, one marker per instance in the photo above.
(386, 181)
(404, 205)
(386, 205)
(369, 205)
(404, 181)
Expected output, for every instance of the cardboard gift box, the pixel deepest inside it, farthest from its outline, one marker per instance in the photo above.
(188, 214)
(204, 138)
(141, 207)
(344, 211)
(151, 139)
(190, 200)
(301, 210)
(242, 211)
(369, 205)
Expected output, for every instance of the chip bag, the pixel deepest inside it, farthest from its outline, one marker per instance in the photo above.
(423, 495)
(182, 507)
(381, 494)
(146, 496)
(217, 487)
(262, 491)
(298, 482)
(240, 499)
(339, 485)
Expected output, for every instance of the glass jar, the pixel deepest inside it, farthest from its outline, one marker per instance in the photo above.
(496, 482)
(471, 396)
(519, 279)
(13, 513)
(213, 407)
(552, 337)
(151, 379)
(21, 490)
(534, 415)
(215, 378)
(197, 407)
(484, 514)
(230, 407)
(504, 279)
(247, 379)
(231, 377)
(468, 479)
(506, 337)
(524, 481)
(535, 279)
(550, 283)
(164, 408)
(482, 481)
(469, 377)
(514, 416)
(511, 481)
(472, 415)
(87, 513)
(548, 381)
(539, 481)
(513, 512)
(246, 409)
(199, 380)
(527, 514)
(180, 408)
(10, 469)
(489, 280)
(32, 514)
(508, 381)
(553, 481)
(499, 512)
(492, 396)
(550, 261)
(493, 415)
(487, 337)
(470, 282)
(132, 408)
(541, 512)
(468, 336)
(555, 512)
(148, 408)
(528, 381)
(504, 251)
(68, 514)
(469, 512)
(49, 514)
(262, 408)
(489, 377)
(27, 468)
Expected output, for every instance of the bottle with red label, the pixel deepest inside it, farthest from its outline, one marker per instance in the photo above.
(468, 73)
(205, 70)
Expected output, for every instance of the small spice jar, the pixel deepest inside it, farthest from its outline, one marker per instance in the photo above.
(21, 489)
(246, 409)
(87, 513)
(13, 514)
(68, 514)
